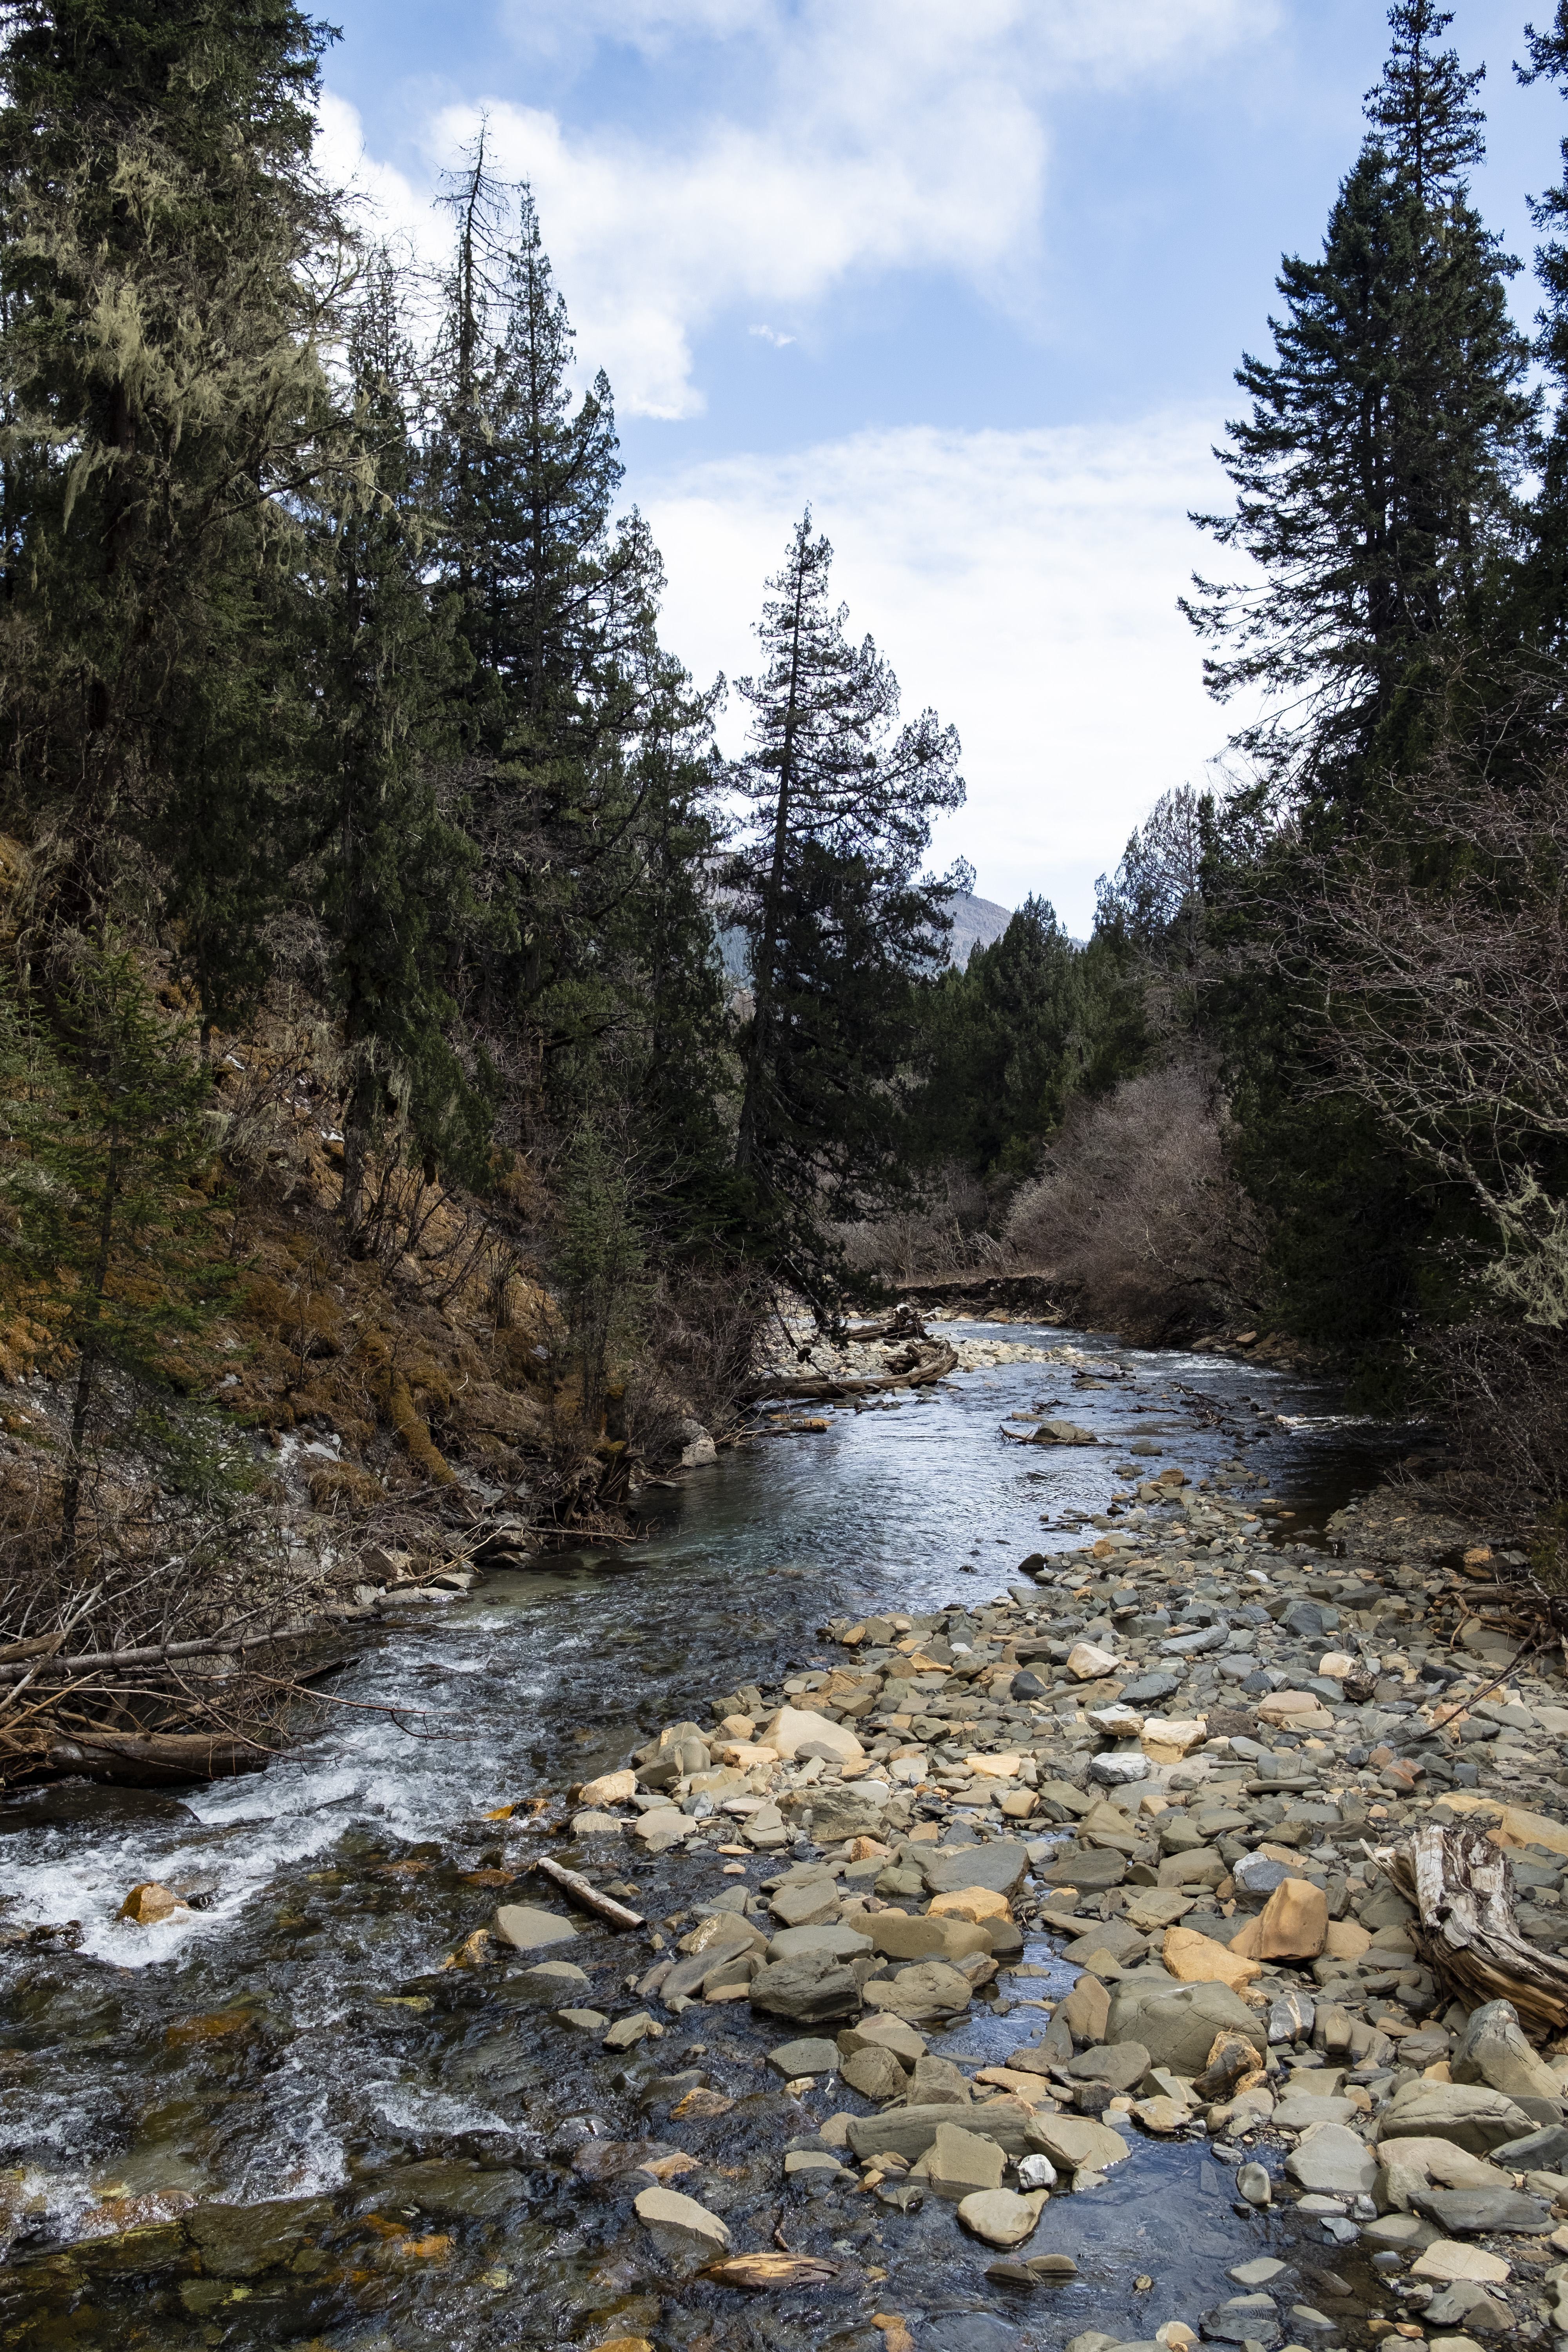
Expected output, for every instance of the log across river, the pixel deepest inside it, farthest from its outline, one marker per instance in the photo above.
(280, 2116)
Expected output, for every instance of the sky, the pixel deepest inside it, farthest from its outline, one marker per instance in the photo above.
(970, 278)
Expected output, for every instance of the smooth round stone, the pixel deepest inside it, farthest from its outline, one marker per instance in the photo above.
(1001, 2217)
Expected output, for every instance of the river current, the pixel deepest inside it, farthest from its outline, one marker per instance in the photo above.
(295, 2038)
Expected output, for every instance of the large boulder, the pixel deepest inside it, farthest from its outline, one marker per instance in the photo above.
(1492, 2049)
(1177, 2024)
(808, 1990)
(1471, 2116)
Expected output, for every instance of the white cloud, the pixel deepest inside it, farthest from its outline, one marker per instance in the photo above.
(772, 335)
(1024, 583)
(810, 144)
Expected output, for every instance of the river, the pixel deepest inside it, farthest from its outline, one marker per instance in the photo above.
(295, 2039)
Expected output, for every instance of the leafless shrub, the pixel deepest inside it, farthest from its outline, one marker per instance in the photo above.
(1502, 1389)
(704, 1327)
(946, 1233)
(1136, 1210)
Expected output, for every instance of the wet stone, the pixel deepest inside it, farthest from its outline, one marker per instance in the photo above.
(807, 2056)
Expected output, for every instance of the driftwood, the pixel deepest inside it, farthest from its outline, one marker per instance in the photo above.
(1462, 1886)
(904, 1323)
(934, 1360)
(156, 1759)
(578, 1889)
(760, 2271)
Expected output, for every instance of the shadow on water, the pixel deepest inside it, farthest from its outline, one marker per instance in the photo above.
(277, 2119)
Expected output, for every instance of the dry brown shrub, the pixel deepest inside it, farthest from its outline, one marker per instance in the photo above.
(1136, 1210)
(703, 1333)
(946, 1233)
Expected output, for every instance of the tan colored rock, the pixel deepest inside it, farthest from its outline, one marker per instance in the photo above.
(960, 2162)
(609, 1789)
(1019, 1803)
(746, 1755)
(1192, 1958)
(1337, 1665)
(898, 1936)
(876, 2074)
(794, 1728)
(974, 1903)
(1161, 2114)
(1001, 2217)
(884, 2034)
(1149, 1908)
(1346, 1939)
(1167, 1738)
(1448, 2259)
(737, 1726)
(1117, 1722)
(684, 2231)
(1293, 1925)
(995, 1768)
(1032, 2089)
(1292, 1707)
(1078, 2145)
(1086, 1663)
(150, 1904)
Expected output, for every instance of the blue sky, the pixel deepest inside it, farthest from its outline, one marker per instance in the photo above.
(971, 276)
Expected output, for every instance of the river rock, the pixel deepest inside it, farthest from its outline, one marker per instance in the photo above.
(1502, 2212)
(1000, 2218)
(840, 1813)
(999, 1865)
(929, 1989)
(1409, 2167)
(876, 2074)
(1178, 2024)
(685, 2232)
(1079, 2145)
(1087, 1663)
(958, 2162)
(901, 1938)
(1116, 1770)
(150, 1904)
(609, 1789)
(662, 1828)
(807, 2056)
(1118, 2064)
(1293, 1923)
(808, 1902)
(1330, 2159)
(527, 1929)
(1091, 1871)
(1471, 2116)
(910, 2131)
(1448, 2259)
(808, 1990)
(839, 1941)
(1493, 2049)
(1245, 2319)
(1192, 1958)
(791, 1727)
(884, 2033)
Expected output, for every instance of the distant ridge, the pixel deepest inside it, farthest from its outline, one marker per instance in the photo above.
(976, 922)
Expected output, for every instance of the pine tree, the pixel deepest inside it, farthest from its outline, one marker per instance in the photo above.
(842, 922)
(394, 870)
(167, 265)
(1377, 472)
(1549, 554)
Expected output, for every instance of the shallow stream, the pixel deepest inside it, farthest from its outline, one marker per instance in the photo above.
(296, 2043)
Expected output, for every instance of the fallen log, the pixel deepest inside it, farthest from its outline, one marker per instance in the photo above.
(1462, 1887)
(578, 1889)
(155, 1760)
(824, 1389)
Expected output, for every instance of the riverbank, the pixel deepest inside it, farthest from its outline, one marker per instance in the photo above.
(344, 2126)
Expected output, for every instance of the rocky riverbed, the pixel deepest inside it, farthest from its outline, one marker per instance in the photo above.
(1017, 1971)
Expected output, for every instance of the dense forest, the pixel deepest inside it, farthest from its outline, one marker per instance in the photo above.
(372, 1085)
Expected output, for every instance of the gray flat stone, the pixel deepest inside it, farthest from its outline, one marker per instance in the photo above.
(999, 1866)
(1459, 2212)
(807, 2056)
(529, 1930)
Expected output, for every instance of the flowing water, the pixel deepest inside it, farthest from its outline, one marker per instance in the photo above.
(275, 2120)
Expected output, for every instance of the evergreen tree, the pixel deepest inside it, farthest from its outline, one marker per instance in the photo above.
(1549, 553)
(167, 263)
(394, 876)
(1378, 469)
(842, 920)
